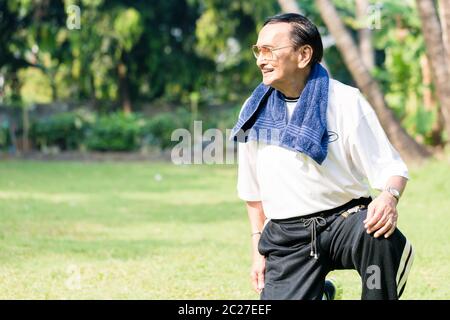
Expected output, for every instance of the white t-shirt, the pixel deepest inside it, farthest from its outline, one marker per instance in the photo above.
(291, 184)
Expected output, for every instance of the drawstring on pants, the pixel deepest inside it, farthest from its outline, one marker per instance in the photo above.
(314, 222)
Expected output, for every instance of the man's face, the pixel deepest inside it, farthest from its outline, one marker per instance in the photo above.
(281, 70)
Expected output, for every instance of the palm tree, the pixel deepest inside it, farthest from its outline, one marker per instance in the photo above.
(405, 144)
(444, 9)
(437, 55)
(289, 6)
(364, 34)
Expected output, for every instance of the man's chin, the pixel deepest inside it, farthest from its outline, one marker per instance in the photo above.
(267, 81)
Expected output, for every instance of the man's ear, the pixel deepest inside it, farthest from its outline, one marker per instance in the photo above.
(305, 56)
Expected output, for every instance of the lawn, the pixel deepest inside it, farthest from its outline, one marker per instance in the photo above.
(73, 230)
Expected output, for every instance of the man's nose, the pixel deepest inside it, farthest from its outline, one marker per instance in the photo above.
(260, 61)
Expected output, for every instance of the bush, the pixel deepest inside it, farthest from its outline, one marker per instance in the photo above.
(82, 129)
(4, 135)
(65, 130)
(158, 130)
(227, 118)
(116, 132)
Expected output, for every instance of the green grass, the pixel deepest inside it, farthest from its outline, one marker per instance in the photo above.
(115, 231)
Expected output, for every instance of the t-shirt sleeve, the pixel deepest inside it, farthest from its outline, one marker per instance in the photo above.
(247, 185)
(371, 151)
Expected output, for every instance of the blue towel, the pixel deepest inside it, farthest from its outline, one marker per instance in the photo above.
(264, 118)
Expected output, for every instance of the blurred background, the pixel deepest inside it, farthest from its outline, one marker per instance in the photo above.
(121, 75)
(90, 81)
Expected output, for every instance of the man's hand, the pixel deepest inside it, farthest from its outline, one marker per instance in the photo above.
(382, 215)
(257, 272)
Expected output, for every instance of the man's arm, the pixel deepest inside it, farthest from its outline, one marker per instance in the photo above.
(382, 212)
(257, 217)
(375, 158)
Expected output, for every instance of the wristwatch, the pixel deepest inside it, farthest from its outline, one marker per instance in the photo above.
(394, 192)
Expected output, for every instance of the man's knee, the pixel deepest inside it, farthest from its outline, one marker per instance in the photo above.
(383, 251)
(395, 240)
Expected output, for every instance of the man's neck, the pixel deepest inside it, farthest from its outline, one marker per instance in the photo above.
(294, 88)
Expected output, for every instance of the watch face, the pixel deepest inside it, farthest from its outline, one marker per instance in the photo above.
(394, 192)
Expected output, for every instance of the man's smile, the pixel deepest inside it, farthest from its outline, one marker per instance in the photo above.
(267, 70)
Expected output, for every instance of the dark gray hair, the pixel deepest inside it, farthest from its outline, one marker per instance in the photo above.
(303, 32)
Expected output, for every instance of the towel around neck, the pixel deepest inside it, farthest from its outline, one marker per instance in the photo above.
(264, 117)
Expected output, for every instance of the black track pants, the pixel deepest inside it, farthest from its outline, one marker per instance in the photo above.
(292, 271)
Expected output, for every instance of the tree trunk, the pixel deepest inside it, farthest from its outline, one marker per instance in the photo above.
(13, 137)
(407, 146)
(123, 87)
(93, 92)
(444, 9)
(53, 84)
(428, 99)
(436, 55)
(430, 103)
(291, 6)
(365, 34)
(25, 129)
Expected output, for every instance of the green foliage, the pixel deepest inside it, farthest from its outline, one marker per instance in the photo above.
(158, 130)
(401, 74)
(171, 49)
(64, 130)
(225, 32)
(4, 135)
(116, 132)
(223, 119)
(399, 46)
(36, 86)
(128, 27)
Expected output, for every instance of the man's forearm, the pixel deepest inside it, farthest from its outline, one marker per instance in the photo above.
(257, 217)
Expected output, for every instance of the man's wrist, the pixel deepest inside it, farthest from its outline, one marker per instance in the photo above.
(394, 193)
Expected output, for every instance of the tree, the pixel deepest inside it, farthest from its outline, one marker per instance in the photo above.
(407, 146)
(22, 25)
(364, 33)
(291, 6)
(128, 29)
(436, 54)
(430, 103)
(444, 9)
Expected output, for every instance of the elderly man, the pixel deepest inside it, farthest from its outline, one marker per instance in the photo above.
(310, 147)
